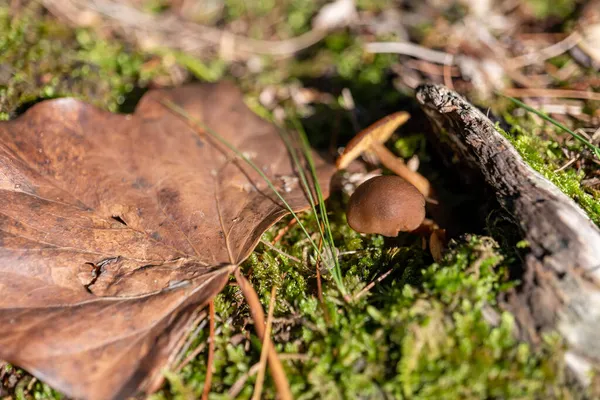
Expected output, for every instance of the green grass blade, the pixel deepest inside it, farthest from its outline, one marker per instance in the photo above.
(554, 122)
(177, 109)
(303, 179)
(336, 271)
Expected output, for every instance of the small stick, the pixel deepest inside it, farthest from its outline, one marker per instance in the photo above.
(276, 368)
(549, 52)
(411, 49)
(211, 351)
(284, 230)
(373, 283)
(430, 68)
(189, 37)
(260, 377)
(238, 385)
(283, 253)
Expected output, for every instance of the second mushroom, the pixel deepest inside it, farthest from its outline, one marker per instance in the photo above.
(372, 139)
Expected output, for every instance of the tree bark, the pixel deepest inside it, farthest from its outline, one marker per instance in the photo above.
(560, 285)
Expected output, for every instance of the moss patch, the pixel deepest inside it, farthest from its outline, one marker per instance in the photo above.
(42, 59)
(545, 156)
(420, 333)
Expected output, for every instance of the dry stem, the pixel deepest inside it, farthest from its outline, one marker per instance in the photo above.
(265, 349)
(211, 351)
(276, 368)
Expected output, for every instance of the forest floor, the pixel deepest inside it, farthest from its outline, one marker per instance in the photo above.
(421, 331)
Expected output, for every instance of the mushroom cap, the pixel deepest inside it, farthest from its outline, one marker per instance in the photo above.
(379, 132)
(386, 205)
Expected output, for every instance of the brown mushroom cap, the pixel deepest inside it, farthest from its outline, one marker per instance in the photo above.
(386, 205)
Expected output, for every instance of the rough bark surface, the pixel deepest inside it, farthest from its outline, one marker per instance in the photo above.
(561, 273)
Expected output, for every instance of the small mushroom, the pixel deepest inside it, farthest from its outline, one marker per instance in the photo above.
(386, 205)
(372, 138)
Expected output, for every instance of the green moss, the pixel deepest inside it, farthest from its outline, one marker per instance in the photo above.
(551, 8)
(409, 145)
(420, 333)
(42, 59)
(545, 157)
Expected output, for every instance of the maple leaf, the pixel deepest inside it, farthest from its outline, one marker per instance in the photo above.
(115, 229)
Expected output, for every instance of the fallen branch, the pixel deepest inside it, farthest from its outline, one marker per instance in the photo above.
(560, 289)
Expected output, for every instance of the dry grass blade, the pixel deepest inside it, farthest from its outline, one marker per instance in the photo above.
(545, 117)
(549, 52)
(553, 93)
(199, 326)
(265, 349)
(411, 49)
(372, 284)
(283, 231)
(195, 328)
(276, 368)
(211, 351)
(283, 253)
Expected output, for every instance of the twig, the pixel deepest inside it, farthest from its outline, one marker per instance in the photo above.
(260, 377)
(373, 283)
(549, 52)
(276, 368)
(283, 253)
(567, 164)
(211, 351)
(284, 230)
(552, 93)
(411, 49)
(174, 32)
(430, 68)
(237, 386)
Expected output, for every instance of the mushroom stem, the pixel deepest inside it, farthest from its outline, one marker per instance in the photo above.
(398, 166)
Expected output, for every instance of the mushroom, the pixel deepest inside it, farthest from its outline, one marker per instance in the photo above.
(386, 205)
(371, 140)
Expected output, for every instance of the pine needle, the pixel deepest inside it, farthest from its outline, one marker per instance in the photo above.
(595, 149)
(260, 377)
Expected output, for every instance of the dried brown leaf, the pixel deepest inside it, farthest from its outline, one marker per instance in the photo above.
(114, 229)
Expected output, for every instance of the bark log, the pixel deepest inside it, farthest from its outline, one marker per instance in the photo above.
(560, 289)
